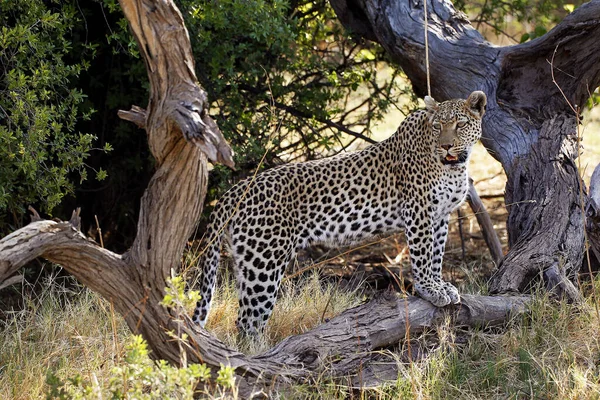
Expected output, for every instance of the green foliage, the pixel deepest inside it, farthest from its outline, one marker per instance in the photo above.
(42, 155)
(287, 73)
(137, 377)
(226, 377)
(534, 18)
(177, 297)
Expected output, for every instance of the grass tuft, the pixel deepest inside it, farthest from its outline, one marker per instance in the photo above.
(65, 329)
(301, 305)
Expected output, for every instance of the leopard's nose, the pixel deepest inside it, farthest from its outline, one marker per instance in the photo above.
(446, 146)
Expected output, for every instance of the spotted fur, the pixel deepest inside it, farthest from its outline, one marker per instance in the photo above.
(411, 181)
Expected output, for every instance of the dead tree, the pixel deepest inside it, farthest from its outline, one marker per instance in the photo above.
(533, 143)
(534, 91)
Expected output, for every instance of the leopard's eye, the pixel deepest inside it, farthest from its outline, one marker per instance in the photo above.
(437, 126)
(461, 124)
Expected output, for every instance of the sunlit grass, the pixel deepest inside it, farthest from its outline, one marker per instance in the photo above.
(551, 352)
(301, 305)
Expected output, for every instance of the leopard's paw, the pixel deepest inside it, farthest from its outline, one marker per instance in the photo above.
(434, 293)
(451, 292)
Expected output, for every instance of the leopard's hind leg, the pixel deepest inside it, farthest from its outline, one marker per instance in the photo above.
(260, 264)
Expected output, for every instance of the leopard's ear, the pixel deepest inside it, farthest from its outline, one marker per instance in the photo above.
(476, 102)
(430, 104)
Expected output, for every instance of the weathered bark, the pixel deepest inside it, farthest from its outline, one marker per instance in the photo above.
(545, 222)
(176, 115)
(527, 116)
(383, 322)
(593, 224)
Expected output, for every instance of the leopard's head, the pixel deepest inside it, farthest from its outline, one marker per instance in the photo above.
(457, 126)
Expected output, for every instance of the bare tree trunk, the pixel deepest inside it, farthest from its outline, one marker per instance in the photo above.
(593, 223)
(545, 221)
(181, 137)
(529, 126)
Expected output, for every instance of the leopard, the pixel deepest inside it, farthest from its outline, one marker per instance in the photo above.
(411, 181)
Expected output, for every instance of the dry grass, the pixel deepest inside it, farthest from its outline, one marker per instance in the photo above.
(68, 330)
(65, 328)
(553, 352)
(301, 305)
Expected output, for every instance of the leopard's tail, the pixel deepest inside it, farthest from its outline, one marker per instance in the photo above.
(209, 262)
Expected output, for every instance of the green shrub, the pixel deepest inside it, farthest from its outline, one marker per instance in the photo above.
(137, 377)
(42, 156)
(285, 73)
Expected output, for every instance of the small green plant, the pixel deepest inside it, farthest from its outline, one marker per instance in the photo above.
(137, 377)
(176, 297)
(226, 377)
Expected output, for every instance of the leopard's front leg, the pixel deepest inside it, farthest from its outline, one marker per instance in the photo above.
(420, 235)
(440, 235)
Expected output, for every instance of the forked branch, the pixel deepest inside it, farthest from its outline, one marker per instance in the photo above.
(176, 96)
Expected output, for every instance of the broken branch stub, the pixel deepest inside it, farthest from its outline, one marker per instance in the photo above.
(485, 224)
(175, 97)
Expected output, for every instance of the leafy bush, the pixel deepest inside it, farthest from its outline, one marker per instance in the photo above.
(42, 156)
(530, 19)
(137, 377)
(286, 73)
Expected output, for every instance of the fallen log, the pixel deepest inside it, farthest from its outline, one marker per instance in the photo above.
(345, 342)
